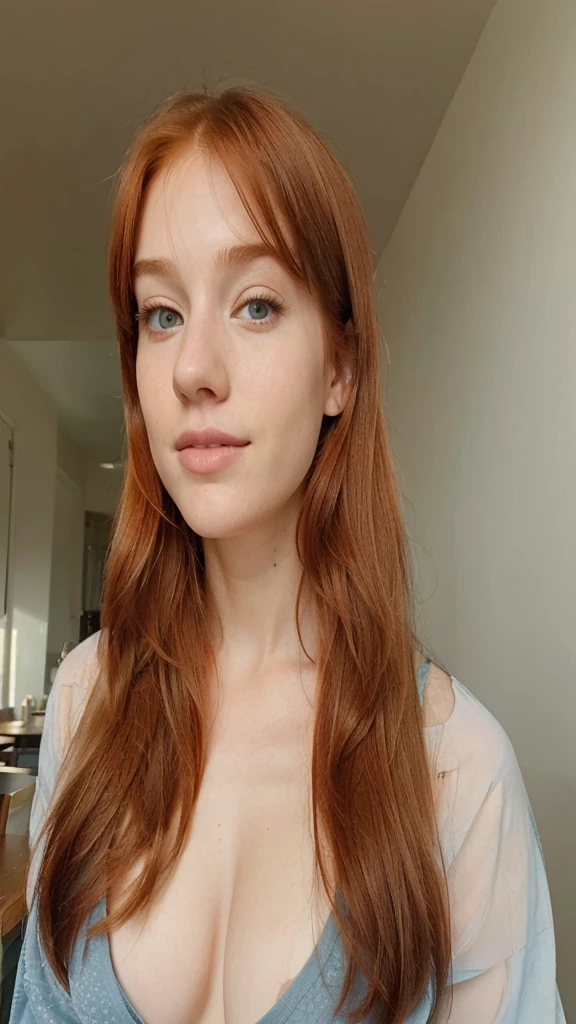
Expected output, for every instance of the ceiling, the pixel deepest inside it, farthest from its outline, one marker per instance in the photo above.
(76, 80)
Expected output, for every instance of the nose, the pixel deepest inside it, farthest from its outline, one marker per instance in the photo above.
(200, 369)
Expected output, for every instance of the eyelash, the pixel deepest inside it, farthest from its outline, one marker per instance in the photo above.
(143, 316)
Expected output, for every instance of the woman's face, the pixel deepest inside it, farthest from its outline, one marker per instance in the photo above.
(230, 341)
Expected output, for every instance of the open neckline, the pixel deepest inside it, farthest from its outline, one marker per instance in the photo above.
(277, 1014)
(301, 983)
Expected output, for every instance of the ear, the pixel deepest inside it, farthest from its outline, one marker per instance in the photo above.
(339, 382)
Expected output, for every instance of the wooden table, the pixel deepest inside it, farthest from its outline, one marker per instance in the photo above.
(21, 734)
(14, 852)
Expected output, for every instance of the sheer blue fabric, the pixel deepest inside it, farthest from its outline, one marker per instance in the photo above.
(503, 966)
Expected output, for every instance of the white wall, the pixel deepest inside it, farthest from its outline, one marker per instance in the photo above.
(478, 308)
(33, 417)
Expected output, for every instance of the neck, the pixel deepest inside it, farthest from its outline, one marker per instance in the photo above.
(252, 582)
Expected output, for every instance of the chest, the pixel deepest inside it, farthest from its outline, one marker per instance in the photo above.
(237, 921)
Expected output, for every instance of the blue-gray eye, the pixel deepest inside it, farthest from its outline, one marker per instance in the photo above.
(159, 319)
(258, 309)
(167, 317)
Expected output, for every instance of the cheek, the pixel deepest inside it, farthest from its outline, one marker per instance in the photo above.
(142, 384)
(152, 396)
(294, 410)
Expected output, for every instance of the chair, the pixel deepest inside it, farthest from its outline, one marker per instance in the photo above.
(11, 949)
(6, 743)
(17, 789)
(16, 792)
(24, 757)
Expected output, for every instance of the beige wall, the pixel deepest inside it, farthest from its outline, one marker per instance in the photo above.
(478, 307)
(33, 417)
(67, 566)
(67, 547)
(71, 460)
(51, 482)
(103, 488)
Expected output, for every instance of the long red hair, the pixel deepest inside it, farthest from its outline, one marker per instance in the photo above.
(371, 782)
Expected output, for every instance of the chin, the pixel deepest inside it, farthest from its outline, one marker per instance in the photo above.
(230, 520)
(216, 520)
(214, 530)
(225, 513)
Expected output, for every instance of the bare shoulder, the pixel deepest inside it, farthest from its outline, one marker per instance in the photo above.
(439, 695)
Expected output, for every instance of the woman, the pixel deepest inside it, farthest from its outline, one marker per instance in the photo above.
(271, 808)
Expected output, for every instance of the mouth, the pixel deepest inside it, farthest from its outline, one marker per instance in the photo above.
(209, 437)
(204, 459)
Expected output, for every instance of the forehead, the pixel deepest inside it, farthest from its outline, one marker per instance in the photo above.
(192, 204)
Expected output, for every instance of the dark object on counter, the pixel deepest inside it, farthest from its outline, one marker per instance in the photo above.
(89, 623)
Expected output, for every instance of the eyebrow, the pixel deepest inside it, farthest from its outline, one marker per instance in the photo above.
(234, 256)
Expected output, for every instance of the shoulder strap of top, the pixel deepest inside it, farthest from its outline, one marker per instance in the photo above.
(422, 677)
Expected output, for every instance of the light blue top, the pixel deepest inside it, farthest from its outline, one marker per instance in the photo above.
(503, 938)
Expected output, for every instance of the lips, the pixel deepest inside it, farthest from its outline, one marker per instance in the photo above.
(208, 436)
(208, 460)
